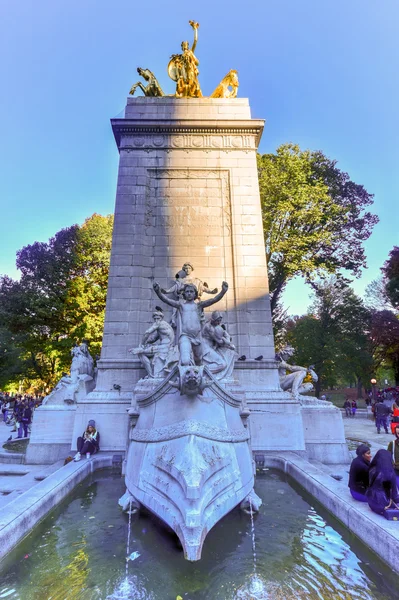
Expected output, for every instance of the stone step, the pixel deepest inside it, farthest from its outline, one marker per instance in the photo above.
(12, 458)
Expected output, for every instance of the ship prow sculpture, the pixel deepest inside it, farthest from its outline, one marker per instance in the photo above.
(189, 459)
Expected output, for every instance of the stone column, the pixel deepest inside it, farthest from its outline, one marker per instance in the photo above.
(187, 190)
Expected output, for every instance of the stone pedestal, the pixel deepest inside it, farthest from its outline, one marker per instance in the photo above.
(52, 430)
(51, 435)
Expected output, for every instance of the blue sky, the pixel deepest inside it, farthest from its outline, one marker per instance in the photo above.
(323, 73)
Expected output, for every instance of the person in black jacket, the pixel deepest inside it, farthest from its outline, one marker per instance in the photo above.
(89, 443)
(383, 491)
(18, 412)
(26, 419)
(381, 416)
(359, 473)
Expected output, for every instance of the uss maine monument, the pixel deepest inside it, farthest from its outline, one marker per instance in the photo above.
(172, 395)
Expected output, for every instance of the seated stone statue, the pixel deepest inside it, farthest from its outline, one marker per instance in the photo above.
(157, 352)
(294, 381)
(218, 351)
(82, 361)
(71, 388)
(63, 391)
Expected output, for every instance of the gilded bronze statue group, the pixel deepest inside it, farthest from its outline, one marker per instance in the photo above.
(183, 70)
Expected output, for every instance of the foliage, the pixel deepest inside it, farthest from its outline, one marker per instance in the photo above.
(87, 291)
(385, 339)
(391, 277)
(11, 363)
(314, 217)
(281, 322)
(376, 297)
(59, 298)
(33, 309)
(334, 336)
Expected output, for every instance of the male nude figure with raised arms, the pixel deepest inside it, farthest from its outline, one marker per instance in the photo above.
(189, 313)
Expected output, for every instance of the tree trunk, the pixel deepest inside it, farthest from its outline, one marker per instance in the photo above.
(276, 294)
(359, 388)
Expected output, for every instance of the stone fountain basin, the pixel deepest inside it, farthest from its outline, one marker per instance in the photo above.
(382, 536)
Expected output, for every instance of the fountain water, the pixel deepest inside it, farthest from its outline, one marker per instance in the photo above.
(300, 553)
(129, 529)
(255, 590)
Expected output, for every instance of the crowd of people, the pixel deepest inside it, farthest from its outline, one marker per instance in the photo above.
(376, 480)
(17, 412)
(386, 410)
(384, 407)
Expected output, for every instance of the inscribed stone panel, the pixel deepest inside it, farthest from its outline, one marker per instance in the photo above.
(191, 207)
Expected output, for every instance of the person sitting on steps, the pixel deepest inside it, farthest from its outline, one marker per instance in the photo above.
(89, 443)
(382, 492)
(359, 473)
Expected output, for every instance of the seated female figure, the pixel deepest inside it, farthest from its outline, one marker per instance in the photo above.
(89, 443)
(383, 491)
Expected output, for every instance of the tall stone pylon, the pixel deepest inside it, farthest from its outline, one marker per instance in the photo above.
(188, 191)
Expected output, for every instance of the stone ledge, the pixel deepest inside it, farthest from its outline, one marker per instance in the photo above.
(172, 100)
(377, 533)
(22, 515)
(200, 125)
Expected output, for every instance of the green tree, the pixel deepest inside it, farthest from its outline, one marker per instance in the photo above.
(60, 297)
(314, 217)
(11, 362)
(33, 309)
(87, 291)
(334, 336)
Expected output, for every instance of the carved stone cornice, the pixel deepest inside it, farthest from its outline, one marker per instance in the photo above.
(183, 134)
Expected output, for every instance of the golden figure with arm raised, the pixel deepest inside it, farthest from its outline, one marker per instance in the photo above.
(183, 68)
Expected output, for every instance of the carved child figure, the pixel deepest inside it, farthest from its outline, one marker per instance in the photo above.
(189, 313)
(182, 278)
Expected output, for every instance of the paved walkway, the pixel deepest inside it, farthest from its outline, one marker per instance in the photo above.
(363, 429)
(17, 478)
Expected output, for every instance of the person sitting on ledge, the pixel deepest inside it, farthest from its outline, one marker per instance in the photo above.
(89, 443)
(383, 491)
(359, 473)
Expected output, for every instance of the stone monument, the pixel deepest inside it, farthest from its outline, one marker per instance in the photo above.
(171, 395)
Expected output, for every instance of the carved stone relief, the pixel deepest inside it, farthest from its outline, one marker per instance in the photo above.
(185, 205)
(189, 140)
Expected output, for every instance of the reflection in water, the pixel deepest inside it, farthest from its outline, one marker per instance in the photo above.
(79, 551)
(130, 589)
(72, 577)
